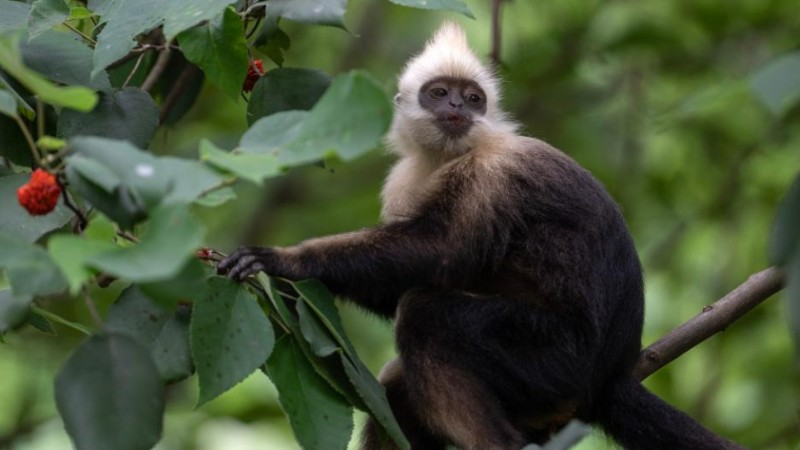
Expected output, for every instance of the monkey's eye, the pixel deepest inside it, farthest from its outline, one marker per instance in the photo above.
(474, 98)
(439, 92)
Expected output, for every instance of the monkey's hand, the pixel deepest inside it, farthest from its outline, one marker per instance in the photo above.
(247, 261)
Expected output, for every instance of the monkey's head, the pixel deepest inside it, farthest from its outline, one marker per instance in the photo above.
(447, 100)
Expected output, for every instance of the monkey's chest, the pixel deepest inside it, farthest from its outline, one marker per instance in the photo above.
(408, 185)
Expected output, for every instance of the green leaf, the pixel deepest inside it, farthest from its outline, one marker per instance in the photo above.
(219, 48)
(777, 84)
(231, 337)
(320, 300)
(317, 12)
(570, 435)
(272, 40)
(285, 90)
(317, 336)
(191, 282)
(129, 114)
(110, 395)
(300, 138)
(46, 14)
(273, 133)
(29, 268)
(216, 197)
(785, 238)
(79, 12)
(64, 58)
(253, 167)
(374, 396)
(445, 5)
(164, 333)
(70, 253)
(315, 295)
(125, 19)
(39, 322)
(171, 239)
(14, 309)
(73, 97)
(8, 105)
(13, 15)
(22, 105)
(320, 417)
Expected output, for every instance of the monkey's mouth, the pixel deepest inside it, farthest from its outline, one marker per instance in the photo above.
(454, 124)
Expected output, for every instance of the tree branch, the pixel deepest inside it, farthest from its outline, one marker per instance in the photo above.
(158, 69)
(713, 319)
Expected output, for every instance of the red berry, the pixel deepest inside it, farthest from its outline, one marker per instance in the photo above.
(204, 254)
(254, 72)
(40, 194)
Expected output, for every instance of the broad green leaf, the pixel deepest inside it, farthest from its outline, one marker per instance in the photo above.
(273, 133)
(299, 137)
(191, 282)
(46, 14)
(286, 90)
(785, 238)
(320, 300)
(317, 12)
(105, 191)
(40, 323)
(79, 12)
(110, 395)
(15, 147)
(445, 5)
(73, 97)
(219, 48)
(129, 114)
(8, 105)
(374, 396)
(778, 83)
(272, 41)
(163, 332)
(216, 197)
(15, 220)
(22, 106)
(171, 239)
(189, 179)
(320, 417)
(125, 19)
(14, 309)
(250, 166)
(62, 57)
(231, 337)
(315, 333)
(70, 253)
(13, 15)
(29, 268)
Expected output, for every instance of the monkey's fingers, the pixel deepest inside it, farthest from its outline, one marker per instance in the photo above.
(243, 262)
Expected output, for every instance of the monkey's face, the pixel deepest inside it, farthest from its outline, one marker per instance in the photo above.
(455, 103)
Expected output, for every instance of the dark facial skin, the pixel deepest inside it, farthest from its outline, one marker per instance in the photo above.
(455, 102)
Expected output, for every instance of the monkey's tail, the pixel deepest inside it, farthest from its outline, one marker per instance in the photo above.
(638, 420)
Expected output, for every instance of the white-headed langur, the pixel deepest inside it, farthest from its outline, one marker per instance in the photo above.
(509, 271)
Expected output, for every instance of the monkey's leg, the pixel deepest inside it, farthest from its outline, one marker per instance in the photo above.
(405, 411)
(433, 334)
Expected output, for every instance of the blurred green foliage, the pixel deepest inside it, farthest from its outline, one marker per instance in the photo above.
(655, 98)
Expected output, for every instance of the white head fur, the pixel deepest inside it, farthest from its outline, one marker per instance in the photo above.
(447, 54)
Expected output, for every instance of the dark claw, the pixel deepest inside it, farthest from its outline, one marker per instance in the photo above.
(244, 262)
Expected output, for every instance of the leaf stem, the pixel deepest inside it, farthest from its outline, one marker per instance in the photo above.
(56, 318)
(29, 139)
(82, 222)
(133, 71)
(81, 34)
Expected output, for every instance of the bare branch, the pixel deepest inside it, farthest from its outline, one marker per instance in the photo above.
(713, 319)
(158, 69)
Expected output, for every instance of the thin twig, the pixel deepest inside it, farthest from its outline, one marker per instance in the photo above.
(82, 222)
(133, 71)
(39, 118)
(158, 69)
(711, 320)
(29, 139)
(81, 34)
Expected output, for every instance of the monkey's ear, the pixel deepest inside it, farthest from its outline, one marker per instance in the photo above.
(397, 99)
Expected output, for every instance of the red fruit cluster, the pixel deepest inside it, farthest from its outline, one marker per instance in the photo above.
(40, 194)
(254, 72)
